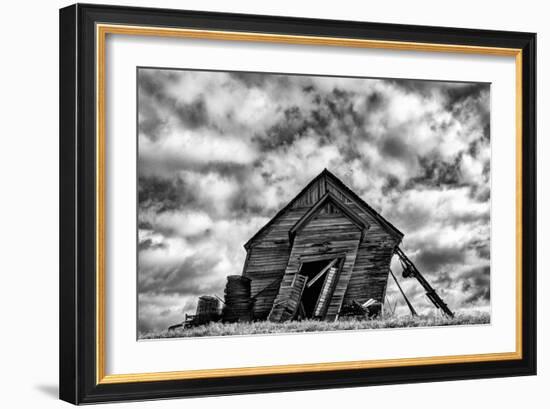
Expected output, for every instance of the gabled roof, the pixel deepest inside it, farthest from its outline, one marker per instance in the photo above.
(385, 223)
(390, 228)
(328, 197)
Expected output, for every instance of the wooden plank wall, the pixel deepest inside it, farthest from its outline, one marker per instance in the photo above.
(286, 305)
(267, 259)
(370, 273)
(312, 194)
(329, 234)
(269, 256)
(328, 285)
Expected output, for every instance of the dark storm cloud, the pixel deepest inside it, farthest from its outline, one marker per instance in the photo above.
(144, 225)
(149, 244)
(482, 249)
(251, 79)
(375, 101)
(182, 279)
(338, 107)
(193, 114)
(151, 87)
(157, 108)
(413, 86)
(437, 173)
(285, 132)
(434, 259)
(395, 147)
(161, 193)
(166, 195)
(442, 280)
(391, 185)
(327, 115)
(454, 92)
(221, 153)
(476, 283)
(458, 94)
(154, 82)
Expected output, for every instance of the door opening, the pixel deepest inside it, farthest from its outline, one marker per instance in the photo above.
(317, 273)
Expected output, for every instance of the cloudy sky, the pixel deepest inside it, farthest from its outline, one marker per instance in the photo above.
(220, 153)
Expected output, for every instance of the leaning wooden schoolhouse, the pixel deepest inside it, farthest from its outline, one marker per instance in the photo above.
(325, 249)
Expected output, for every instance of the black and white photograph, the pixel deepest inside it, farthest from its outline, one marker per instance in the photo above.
(255, 200)
(279, 203)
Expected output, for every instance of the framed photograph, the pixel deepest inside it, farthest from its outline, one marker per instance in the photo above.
(257, 203)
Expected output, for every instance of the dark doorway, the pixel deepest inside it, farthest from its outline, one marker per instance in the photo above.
(311, 294)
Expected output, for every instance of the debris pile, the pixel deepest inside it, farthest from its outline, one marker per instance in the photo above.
(369, 309)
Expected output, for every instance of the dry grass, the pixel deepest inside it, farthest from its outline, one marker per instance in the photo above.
(266, 327)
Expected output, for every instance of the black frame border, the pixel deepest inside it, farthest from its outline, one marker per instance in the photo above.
(78, 212)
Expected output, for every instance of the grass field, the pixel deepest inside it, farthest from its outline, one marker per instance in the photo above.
(266, 327)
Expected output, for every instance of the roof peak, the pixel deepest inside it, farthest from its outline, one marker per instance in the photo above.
(341, 185)
(326, 198)
(354, 195)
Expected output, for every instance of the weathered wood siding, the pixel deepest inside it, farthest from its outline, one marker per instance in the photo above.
(288, 299)
(268, 254)
(330, 235)
(326, 292)
(365, 273)
(312, 194)
(265, 264)
(267, 259)
(370, 273)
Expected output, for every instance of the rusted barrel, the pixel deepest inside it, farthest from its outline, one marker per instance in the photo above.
(238, 304)
(208, 309)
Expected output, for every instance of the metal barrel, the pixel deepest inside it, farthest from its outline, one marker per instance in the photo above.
(208, 309)
(238, 302)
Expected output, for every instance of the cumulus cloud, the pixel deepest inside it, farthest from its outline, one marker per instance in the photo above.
(221, 152)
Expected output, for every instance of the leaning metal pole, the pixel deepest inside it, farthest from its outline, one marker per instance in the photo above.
(410, 270)
(411, 308)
